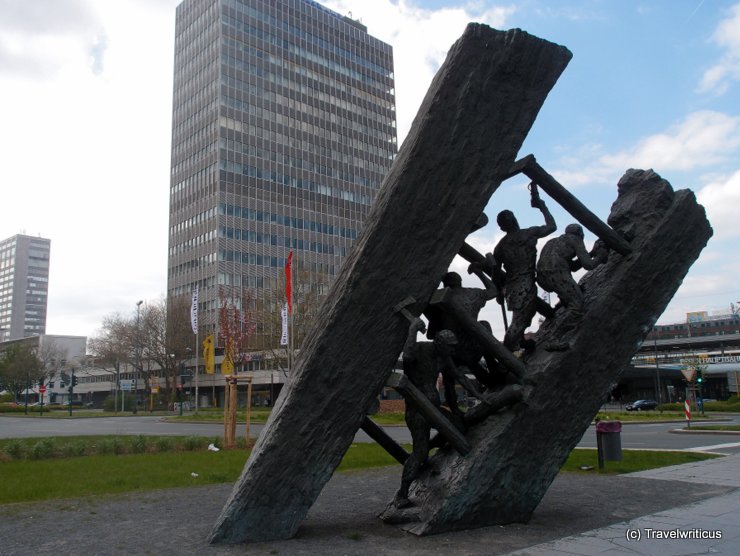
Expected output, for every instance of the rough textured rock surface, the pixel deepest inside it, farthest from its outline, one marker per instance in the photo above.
(515, 455)
(642, 197)
(464, 140)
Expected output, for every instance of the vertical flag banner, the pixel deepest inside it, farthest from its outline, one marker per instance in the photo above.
(208, 354)
(289, 283)
(284, 315)
(194, 311)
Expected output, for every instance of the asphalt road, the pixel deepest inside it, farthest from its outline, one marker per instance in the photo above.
(633, 436)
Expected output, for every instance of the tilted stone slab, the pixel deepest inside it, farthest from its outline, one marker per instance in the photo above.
(463, 142)
(516, 454)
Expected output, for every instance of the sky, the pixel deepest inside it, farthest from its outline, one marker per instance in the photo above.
(86, 104)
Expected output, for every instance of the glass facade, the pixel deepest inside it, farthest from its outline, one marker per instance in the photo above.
(24, 286)
(283, 130)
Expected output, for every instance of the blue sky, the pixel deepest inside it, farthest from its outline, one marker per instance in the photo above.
(86, 116)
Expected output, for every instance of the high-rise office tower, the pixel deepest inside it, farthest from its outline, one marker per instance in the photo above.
(283, 130)
(24, 286)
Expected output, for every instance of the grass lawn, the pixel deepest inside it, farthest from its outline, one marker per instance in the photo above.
(258, 415)
(714, 427)
(55, 468)
(643, 416)
(632, 460)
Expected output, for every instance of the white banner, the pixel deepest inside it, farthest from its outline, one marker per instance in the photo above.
(284, 315)
(194, 311)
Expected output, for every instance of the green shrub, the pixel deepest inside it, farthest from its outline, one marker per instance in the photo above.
(191, 443)
(73, 449)
(15, 449)
(112, 402)
(110, 446)
(20, 408)
(109, 404)
(43, 449)
(165, 444)
(118, 446)
(138, 444)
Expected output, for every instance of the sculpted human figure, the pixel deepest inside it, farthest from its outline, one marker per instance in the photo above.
(421, 368)
(559, 257)
(467, 352)
(517, 253)
(445, 343)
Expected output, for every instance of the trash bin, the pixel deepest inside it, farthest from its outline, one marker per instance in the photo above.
(609, 439)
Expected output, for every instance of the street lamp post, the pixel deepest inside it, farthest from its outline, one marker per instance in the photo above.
(138, 356)
(657, 370)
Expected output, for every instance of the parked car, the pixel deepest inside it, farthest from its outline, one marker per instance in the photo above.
(641, 405)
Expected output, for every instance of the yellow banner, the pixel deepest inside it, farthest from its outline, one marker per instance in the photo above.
(227, 365)
(208, 354)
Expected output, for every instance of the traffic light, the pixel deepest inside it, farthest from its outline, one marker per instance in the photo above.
(41, 381)
(699, 376)
(74, 380)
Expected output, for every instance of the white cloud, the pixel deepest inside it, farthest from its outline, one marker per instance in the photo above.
(721, 200)
(88, 153)
(719, 77)
(420, 39)
(41, 38)
(704, 138)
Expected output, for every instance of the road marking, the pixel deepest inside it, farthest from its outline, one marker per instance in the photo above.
(713, 447)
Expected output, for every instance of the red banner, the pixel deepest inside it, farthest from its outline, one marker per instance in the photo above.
(289, 283)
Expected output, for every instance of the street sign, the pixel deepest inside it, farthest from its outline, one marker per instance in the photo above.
(127, 385)
(42, 389)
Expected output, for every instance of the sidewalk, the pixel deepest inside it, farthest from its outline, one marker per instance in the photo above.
(580, 514)
(708, 527)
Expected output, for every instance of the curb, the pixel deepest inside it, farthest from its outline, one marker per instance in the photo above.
(698, 431)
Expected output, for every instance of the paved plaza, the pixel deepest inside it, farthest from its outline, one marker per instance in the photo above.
(679, 510)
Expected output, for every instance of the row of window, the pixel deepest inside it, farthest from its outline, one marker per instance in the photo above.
(234, 146)
(306, 142)
(284, 65)
(192, 243)
(253, 282)
(294, 182)
(307, 37)
(240, 234)
(232, 256)
(302, 69)
(306, 91)
(288, 221)
(194, 220)
(387, 140)
(193, 264)
(341, 126)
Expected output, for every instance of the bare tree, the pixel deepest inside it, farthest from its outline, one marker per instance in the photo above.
(167, 337)
(236, 325)
(153, 341)
(309, 291)
(20, 368)
(52, 357)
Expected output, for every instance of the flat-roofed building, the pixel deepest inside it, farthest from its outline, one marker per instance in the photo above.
(283, 130)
